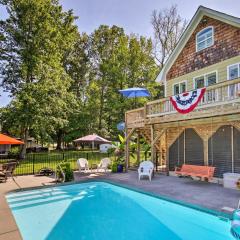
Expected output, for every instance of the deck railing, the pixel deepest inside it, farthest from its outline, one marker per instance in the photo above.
(135, 116)
(218, 94)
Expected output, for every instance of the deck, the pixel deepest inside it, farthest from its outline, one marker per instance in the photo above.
(220, 99)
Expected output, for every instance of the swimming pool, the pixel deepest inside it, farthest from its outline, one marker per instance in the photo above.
(102, 211)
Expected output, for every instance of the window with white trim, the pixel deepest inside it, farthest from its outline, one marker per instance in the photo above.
(204, 81)
(204, 39)
(233, 72)
(179, 88)
(211, 79)
(199, 82)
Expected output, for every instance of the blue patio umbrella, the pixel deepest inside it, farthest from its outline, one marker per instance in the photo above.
(135, 92)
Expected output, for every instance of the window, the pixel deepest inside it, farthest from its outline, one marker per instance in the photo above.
(233, 72)
(199, 82)
(179, 88)
(205, 80)
(176, 89)
(211, 79)
(204, 39)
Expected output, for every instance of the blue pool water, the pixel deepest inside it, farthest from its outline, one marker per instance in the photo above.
(103, 211)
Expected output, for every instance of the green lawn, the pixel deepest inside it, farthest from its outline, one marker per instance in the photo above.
(35, 161)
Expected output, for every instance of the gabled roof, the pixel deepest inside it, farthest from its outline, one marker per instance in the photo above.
(202, 11)
(92, 138)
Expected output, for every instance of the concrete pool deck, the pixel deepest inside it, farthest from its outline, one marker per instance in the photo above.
(204, 194)
(208, 195)
(8, 226)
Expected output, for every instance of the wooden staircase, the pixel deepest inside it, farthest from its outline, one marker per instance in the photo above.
(146, 133)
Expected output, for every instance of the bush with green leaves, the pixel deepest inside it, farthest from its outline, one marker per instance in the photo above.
(14, 152)
(68, 172)
(114, 167)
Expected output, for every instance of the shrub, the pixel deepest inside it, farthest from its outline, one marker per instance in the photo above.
(114, 167)
(14, 152)
(66, 168)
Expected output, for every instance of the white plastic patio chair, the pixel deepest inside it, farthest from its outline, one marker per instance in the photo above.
(82, 164)
(145, 169)
(104, 163)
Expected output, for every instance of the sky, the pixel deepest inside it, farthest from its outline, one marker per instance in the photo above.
(133, 15)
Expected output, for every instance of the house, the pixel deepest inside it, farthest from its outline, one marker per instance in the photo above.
(207, 57)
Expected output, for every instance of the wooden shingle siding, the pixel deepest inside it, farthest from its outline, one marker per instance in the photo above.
(220, 151)
(193, 148)
(176, 153)
(226, 45)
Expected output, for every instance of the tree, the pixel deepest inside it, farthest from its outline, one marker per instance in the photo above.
(133, 66)
(168, 26)
(77, 65)
(36, 37)
(118, 61)
(104, 41)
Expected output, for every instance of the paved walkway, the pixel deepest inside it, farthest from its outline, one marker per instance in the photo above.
(209, 195)
(8, 227)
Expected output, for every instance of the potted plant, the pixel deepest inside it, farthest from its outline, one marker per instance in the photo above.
(119, 152)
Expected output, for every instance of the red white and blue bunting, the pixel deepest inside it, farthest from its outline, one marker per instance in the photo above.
(186, 102)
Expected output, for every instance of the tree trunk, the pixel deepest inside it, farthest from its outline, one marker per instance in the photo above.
(59, 139)
(24, 146)
(101, 109)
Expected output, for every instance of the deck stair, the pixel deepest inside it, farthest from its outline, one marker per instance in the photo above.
(146, 133)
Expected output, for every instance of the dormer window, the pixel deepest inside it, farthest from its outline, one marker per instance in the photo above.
(204, 39)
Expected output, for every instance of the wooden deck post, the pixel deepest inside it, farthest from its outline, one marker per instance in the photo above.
(205, 150)
(167, 153)
(138, 148)
(152, 145)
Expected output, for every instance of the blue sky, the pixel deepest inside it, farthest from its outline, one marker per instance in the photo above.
(133, 15)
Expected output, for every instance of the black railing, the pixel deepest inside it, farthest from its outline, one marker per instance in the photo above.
(36, 161)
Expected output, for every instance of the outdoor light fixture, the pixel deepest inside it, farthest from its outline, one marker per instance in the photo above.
(204, 21)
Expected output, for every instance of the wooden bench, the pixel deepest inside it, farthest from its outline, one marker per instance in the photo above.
(204, 172)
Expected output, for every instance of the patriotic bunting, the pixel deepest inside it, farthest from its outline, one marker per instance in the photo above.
(186, 102)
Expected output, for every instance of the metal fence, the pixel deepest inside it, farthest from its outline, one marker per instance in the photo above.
(36, 161)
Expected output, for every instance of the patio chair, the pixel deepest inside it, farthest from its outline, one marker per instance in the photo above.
(145, 169)
(7, 171)
(104, 163)
(82, 164)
